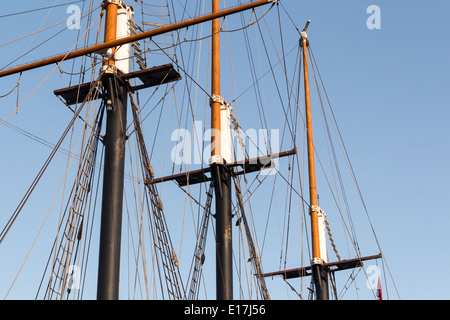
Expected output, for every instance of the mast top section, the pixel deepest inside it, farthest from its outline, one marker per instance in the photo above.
(304, 35)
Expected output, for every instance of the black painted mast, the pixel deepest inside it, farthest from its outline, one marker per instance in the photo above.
(111, 220)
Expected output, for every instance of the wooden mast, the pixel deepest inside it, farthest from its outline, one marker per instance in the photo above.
(221, 174)
(215, 84)
(319, 272)
(110, 30)
(320, 268)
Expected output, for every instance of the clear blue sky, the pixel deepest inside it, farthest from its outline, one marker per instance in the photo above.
(389, 92)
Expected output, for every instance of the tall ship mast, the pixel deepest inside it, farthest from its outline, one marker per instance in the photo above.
(223, 177)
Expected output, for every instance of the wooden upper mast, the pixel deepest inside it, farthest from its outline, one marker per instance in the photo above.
(320, 268)
(319, 254)
(215, 84)
(110, 31)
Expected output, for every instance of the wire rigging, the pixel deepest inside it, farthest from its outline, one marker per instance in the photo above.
(48, 39)
(17, 211)
(39, 9)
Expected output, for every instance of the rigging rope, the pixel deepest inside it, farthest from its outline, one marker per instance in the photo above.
(45, 79)
(73, 229)
(22, 203)
(254, 257)
(16, 86)
(37, 46)
(199, 254)
(39, 9)
(161, 236)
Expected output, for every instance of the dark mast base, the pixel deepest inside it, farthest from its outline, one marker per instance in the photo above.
(224, 249)
(320, 277)
(115, 91)
(111, 220)
(327, 268)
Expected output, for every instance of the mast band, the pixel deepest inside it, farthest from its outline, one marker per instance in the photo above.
(316, 261)
(315, 209)
(216, 98)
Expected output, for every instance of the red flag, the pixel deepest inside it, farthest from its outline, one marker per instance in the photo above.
(379, 293)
